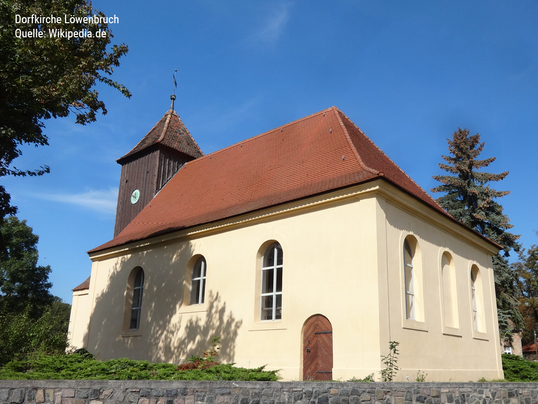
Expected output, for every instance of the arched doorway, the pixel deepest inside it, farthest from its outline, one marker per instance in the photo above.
(317, 348)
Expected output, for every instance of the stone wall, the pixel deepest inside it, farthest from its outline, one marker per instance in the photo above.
(169, 392)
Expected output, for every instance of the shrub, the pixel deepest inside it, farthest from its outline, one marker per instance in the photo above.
(21, 336)
(205, 362)
(228, 372)
(517, 369)
(84, 366)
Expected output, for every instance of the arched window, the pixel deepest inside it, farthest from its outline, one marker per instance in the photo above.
(137, 291)
(477, 306)
(409, 274)
(413, 303)
(271, 288)
(450, 302)
(199, 271)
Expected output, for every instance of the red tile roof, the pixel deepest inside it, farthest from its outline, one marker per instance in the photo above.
(171, 132)
(532, 347)
(83, 286)
(371, 156)
(316, 154)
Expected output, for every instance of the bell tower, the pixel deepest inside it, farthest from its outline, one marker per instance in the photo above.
(151, 164)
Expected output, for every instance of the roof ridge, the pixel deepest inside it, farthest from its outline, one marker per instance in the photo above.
(170, 132)
(266, 170)
(165, 129)
(252, 138)
(188, 132)
(396, 165)
(337, 112)
(143, 138)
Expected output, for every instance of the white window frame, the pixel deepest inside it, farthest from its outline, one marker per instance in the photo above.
(200, 298)
(276, 312)
(409, 280)
(137, 308)
(473, 301)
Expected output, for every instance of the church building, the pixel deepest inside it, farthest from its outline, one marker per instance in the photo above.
(305, 249)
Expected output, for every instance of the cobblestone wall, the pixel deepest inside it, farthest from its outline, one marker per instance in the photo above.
(167, 392)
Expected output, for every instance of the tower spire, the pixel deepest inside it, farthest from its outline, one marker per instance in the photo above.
(173, 96)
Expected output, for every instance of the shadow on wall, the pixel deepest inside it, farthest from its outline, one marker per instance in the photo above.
(199, 331)
(169, 331)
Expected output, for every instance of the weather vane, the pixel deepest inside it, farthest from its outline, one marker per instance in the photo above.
(173, 96)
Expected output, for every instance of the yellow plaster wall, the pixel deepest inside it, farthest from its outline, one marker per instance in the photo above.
(342, 256)
(319, 278)
(430, 346)
(79, 319)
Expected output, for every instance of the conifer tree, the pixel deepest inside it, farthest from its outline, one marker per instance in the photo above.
(527, 272)
(469, 198)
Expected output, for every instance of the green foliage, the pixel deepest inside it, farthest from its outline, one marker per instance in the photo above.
(210, 354)
(24, 286)
(45, 78)
(421, 377)
(367, 379)
(195, 359)
(517, 369)
(22, 337)
(469, 199)
(207, 360)
(213, 351)
(507, 293)
(228, 372)
(83, 366)
(32, 321)
(527, 272)
(390, 361)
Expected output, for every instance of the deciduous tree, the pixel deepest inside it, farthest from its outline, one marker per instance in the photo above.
(24, 285)
(32, 321)
(23, 337)
(469, 198)
(48, 77)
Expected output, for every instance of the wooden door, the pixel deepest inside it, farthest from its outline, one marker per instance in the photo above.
(317, 349)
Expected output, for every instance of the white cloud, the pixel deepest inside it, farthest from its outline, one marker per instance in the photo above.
(99, 201)
(274, 25)
(226, 116)
(237, 114)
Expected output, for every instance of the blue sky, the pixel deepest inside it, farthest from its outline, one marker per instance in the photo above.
(407, 73)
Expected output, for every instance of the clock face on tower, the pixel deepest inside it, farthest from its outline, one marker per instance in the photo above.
(135, 196)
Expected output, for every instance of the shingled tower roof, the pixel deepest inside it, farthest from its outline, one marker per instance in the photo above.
(313, 155)
(170, 132)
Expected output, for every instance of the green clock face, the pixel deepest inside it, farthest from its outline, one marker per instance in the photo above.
(135, 196)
